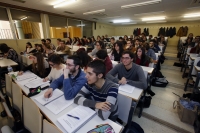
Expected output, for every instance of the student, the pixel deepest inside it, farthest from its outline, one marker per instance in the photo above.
(117, 51)
(150, 52)
(101, 93)
(47, 50)
(40, 66)
(43, 41)
(128, 72)
(99, 45)
(196, 49)
(89, 43)
(84, 57)
(130, 46)
(48, 41)
(29, 48)
(63, 48)
(103, 56)
(57, 67)
(154, 46)
(111, 44)
(72, 80)
(40, 48)
(141, 58)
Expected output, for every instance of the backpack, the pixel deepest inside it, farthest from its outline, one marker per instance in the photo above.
(135, 128)
(160, 82)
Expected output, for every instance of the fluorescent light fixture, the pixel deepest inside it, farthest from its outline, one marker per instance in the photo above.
(23, 18)
(111, 17)
(191, 15)
(149, 13)
(58, 2)
(81, 25)
(141, 4)
(128, 23)
(153, 18)
(156, 22)
(64, 3)
(94, 12)
(190, 19)
(191, 8)
(121, 21)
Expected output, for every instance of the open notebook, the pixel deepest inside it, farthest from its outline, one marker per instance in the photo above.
(26, 75)
(76, 118)
(56, 103)
(33, 83)
(126, 88)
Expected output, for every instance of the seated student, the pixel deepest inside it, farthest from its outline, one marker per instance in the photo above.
(48, 41)
(9, 53)
(196, 49)
(74, 42)
(130, 46)
(29, 49)
(128, 72)
(98, 46)
(188, 42)
(111, 44)
(150, 52)
(71, 81)
(90, 43)
(84, 57)
(103, 56)
(101, 93)
(162, 41)
(43, 41)
(141, 58)
(117, 51)
(47, 50)
(153, 46)
(63, 48)
(57, 67)
(40, 48)
(40, 66)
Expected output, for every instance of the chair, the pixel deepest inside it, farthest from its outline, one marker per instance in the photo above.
(31, 116)
(50, 128)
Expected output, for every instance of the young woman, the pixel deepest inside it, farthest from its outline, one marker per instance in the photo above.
(40, 66)
(89, 43)
(57, 68)
(98, 46)
(82, 42)
(141, 58)
(40, 48)
(75, 41)
(98, 38)
(85, 58)
(196, 49)
(117, 51)
(126, 38)
(47, 50)
(29, 49)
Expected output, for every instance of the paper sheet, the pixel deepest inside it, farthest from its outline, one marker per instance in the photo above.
(26, 75)
(126, 88)
(35, 83)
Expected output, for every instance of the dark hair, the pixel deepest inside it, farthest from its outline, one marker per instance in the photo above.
(48, 39)
(125, 36)
(82, 42)
(147, 46)
(39, 67)
(121, 49)
(42, 50)
(4, 48)
(101, 44)
(93, 38)
(98, 37)
(89, 39)
(98, 67)
(55, 58)
(75, 39)
(120, 38)
(76, 59)
(84, 57)
(128, 52)
(43, 40)
(112, 38)
(47, 45)
(36, 45)
(102, 54)
(63, 41)
(59, 39)
(143, 55)
(29, 44)
(84, 36)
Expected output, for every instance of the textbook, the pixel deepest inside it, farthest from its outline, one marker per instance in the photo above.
(26, 75)
(76, 118)
(33, 83)
(126, 88)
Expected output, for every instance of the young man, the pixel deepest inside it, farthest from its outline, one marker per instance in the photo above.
(128, 72)
(101, 93)
(72, 80)
(48, 41)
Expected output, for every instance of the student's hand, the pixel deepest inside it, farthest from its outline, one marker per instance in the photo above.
(48, 93)
(122, 81)
(105, 106)
(66, 72)
(20, 73)
(45, 79)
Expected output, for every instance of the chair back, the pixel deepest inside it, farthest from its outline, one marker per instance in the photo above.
(194, 71)
(32, 116)
(191, 55)
(17, 97)
(123, 108)
(50, 128)
(8, 85)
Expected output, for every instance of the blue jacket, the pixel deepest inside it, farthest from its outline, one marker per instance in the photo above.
(71, 86)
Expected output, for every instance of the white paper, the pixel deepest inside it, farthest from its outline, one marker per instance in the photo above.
(126, 88)
(42, 100)
(26, 75)
(71, 124)
(59, 105)
(35, 83)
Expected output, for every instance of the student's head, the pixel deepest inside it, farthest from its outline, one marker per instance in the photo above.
(54, 60)
(48, 40)
(46, 46)
(151, 43)
(74, 39)
(120, 38)
(190, 35)
(197, 38)
(131, 36)
(89, 40)
(43, 41)
(36, 45)
(162, 38)
(102, 37)
(95, 71)
(118, 46)
(58, 41)
(150, 36)
(84, 57)
(102, 54)
(4, 48)
(125, 37)
(140, 52)
(98, 38)
(127, 57)
(112, 40)
(137, 42)
(40, 48)
(62, 43)
(99, 45)
(82, 41)
(93, 39)
(129, 43)
(38, 63)
(28, 45)
(73, 63)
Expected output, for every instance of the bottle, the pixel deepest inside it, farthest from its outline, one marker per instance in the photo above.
(10, 69)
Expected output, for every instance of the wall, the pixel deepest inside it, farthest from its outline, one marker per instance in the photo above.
(103, 29)
(194, 27)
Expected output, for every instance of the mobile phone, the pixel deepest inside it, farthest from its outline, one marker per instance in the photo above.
(105, 128)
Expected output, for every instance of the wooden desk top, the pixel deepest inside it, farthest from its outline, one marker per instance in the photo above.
(135, 96)
(148, 69)
(7, 62)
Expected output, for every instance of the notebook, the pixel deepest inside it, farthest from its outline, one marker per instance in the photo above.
(126, 88)
(35, 83)
(26, 75)
(72, 124)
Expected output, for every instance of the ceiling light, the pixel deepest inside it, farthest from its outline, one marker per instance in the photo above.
(191, 15)
(190, 19)
(121, 21)
(128, 23)
(94, 12)
(111, 17)
(23, 18)
(141, 4)
(80, 25)
(156, 22)
(63, 3)
(149, 13)
(58, 2)
(153, 18)
(191, 8)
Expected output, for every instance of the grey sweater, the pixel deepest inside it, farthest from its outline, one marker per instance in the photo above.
(135, 76)
(108, 92)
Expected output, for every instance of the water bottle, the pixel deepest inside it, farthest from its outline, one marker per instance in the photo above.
(10, 69)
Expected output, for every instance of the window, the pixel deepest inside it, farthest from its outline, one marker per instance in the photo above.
(87, 28)
(28, 24)
(74, 28)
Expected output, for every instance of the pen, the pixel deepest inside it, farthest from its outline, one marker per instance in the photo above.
(73, 116)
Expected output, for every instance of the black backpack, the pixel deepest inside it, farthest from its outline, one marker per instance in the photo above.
(135, 128)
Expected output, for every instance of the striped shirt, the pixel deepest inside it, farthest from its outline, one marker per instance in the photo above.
(107, 93)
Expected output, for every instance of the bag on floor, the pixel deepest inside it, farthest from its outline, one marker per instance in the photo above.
(147, 101)
(197, 123)
(160, 82)
(135, 128)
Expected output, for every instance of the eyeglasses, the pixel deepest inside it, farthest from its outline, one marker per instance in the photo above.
(125, 58)
(69, 64)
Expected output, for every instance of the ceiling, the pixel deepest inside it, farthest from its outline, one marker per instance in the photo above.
(173, 10)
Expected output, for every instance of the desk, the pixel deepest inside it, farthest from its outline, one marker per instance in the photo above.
(197, 68)
(148, 69)
(193, 57)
